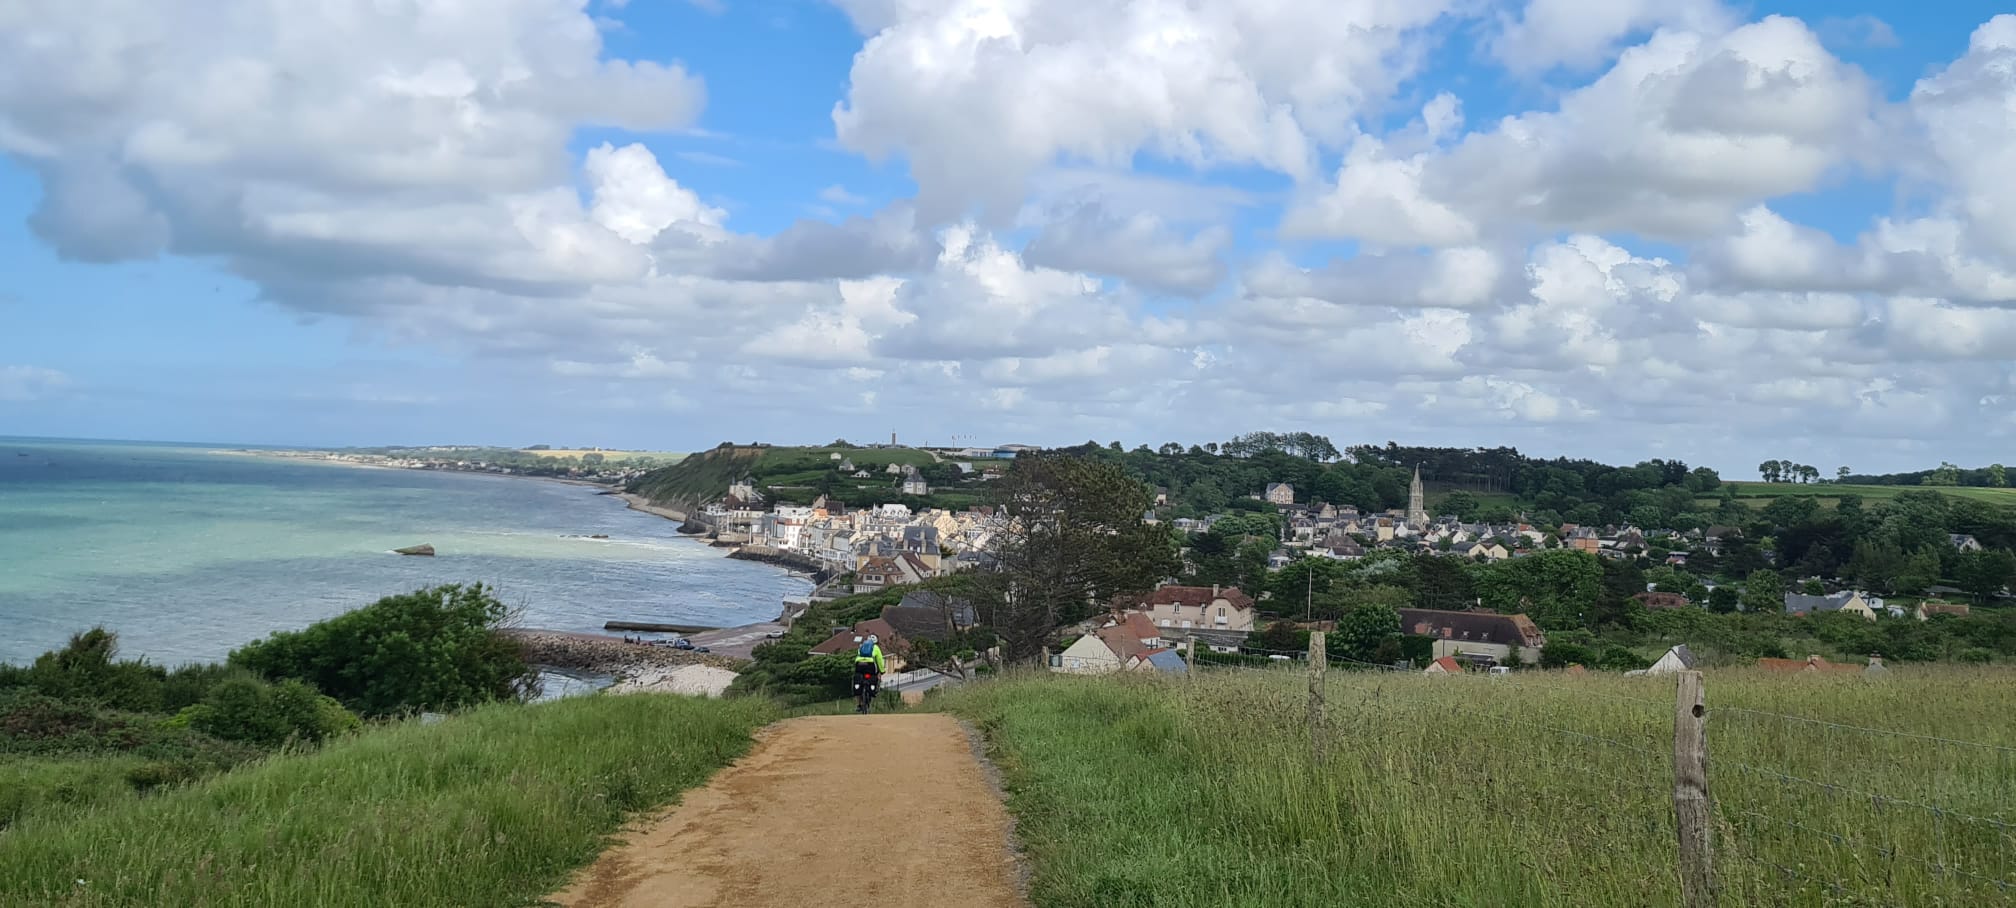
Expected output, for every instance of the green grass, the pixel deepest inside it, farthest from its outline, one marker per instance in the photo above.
(1460, 791)
(1758, 494)
(493, 807)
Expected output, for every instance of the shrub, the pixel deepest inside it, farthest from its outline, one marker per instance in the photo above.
(85, 670)
(246, 710)
(433, 649)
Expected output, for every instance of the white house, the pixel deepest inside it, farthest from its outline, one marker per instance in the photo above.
(1119, 645)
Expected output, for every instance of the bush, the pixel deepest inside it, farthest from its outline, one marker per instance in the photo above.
(246, 710)
(85, 670)
(433, 649)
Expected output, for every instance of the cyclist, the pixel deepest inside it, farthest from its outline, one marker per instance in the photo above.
(869, 667)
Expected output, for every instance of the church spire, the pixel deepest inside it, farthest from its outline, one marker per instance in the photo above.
(1417, 504)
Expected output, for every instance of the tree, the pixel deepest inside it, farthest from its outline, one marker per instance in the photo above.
(1075, 539)
(1986, 572)
(1442, 583)
(1284, 637)
(1369, 623)
(1722, 600)
(1813, 588)
(1771, 470)
(1763, 592)
(1997, 476)
(1557, 588)
(1462, 504)
(1840, 474)
(433, 649)
(1946, 475)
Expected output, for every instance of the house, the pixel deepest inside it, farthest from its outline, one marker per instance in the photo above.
(1111, 648)
(1166, 661)
(915, 485)
(1446, 665)
(1677, 659)
(1810, 664)
(1964, 542)
(877, 572)
(1850, 601)
(1663, 600)
(744, 492)
(928, 615)
(846, 465)
(1186, 607)
(1583, 539)
(895, 649)
(1927, 609)
(1279, 493)
(1477, 635)
(1488, 551)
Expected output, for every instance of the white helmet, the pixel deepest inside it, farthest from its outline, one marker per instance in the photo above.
(871, 638)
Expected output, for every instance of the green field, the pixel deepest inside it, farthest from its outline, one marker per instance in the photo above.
(1471, 791)
(492, 807)
(1758, 494)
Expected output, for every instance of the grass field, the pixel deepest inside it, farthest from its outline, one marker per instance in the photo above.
(663, 457)
(493, 807)
(1471, 791)
(1758, 494)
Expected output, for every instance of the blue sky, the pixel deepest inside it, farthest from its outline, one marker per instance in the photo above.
(1639, 228)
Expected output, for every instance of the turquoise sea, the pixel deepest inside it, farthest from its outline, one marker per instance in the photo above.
(188, 552)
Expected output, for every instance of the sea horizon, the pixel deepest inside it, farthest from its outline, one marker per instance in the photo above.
(187, 554)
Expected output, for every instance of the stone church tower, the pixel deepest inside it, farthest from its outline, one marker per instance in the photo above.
(1417, 503)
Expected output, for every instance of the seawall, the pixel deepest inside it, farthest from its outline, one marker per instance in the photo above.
(767, 555)
(609, 655)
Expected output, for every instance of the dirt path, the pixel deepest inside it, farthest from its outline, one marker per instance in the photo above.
(826, 811)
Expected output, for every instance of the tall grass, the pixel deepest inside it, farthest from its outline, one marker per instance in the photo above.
(490, 808)
(1472, 791)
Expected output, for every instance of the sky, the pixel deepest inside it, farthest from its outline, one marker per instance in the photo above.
(1618, 229)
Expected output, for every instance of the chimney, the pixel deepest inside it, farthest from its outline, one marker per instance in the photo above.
(1214, 591)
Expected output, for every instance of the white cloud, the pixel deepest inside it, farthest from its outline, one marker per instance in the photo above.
(977, 95)
(838, 195)
(408, 167)
(1141, 249)
(26, 383)
(635, 199)
(1682, 133)
(1579, 34)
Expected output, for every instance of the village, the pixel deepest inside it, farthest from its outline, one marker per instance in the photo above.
(894, 546)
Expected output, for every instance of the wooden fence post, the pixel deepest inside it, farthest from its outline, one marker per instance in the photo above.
(1318, 661)
(1190, 658)
(1694, 820)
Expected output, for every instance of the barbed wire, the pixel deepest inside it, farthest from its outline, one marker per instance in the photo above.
(1876, 798)
(1940, 866)
(1738, 710)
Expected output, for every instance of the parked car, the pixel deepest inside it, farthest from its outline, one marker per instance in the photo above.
(682, 643)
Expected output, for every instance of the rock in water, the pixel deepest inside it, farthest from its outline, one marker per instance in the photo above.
(426, 550)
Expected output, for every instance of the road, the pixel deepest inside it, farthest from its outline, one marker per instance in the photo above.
(736, 641)
(826, 811)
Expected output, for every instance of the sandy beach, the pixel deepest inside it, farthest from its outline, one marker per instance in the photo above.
(640, 503)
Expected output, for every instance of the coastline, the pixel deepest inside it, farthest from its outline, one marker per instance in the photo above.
(638, 502)
(332, 459)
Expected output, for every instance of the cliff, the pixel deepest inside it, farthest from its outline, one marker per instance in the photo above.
(691, 483)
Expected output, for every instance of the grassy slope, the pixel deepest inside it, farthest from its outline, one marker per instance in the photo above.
(493, 807)
(1454, 792)
(1758, 494)
(705, 476)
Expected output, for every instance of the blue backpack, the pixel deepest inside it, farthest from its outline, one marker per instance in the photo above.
(867, 650)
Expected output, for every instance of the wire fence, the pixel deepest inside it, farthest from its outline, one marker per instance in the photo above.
(1801, 810)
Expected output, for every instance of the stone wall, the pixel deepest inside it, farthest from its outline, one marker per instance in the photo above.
(610, 655)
